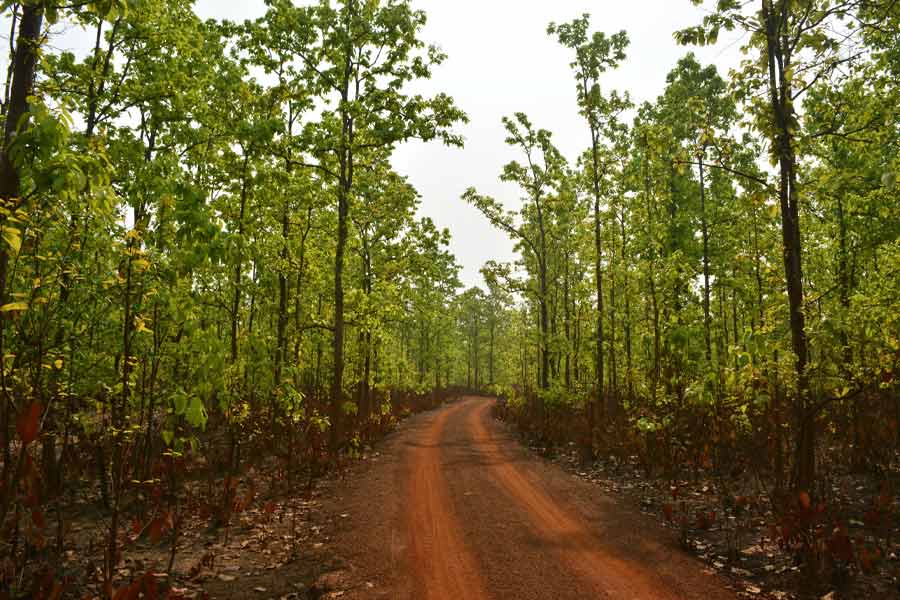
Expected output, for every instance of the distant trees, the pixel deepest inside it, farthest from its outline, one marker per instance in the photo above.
(538, 175)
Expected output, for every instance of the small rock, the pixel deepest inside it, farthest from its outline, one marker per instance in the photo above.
(329, 581)
(226, 578)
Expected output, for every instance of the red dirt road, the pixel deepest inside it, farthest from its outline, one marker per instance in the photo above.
(456, 509)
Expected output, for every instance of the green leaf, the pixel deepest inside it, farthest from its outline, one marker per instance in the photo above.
(13, 238)
(179, 403)
(14, 307)
(196, 413)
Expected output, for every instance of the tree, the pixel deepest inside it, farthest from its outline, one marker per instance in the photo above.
(799, 44)
(358, 60)
(594, 55)
(538, 177)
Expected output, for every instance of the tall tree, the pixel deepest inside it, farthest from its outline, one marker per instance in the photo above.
(358, 59)
(594, 55)
(538, 177)
(798, 44)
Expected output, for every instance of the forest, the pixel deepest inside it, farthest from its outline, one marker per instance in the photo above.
(215, 287)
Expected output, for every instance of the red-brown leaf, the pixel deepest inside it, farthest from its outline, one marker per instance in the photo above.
(668, 510)
(151, 591)
(122, 593)
(155, 530)
(37, 517)
(29, 422)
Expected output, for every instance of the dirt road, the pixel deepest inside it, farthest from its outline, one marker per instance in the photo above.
(456, 509)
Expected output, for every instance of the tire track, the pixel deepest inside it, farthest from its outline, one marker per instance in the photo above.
(607, 576)
(456, 509)
(438, 556)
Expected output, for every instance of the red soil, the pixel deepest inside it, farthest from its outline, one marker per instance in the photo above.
(457, 509)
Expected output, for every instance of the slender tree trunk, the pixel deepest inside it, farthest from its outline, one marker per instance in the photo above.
(337, 385)
(845, 285)
(542, 301)
(545, 334)
(781, 96)
(237, 274)
(757, 270)
(651, 277)
(281, 333)
(23, 69)
(345, 185)
(567, 327)
(493, 325)
(627, 324)
(281, 342)
(613, 367)
(476, 350)
(469, 364)
(598, 273)
(705, 230)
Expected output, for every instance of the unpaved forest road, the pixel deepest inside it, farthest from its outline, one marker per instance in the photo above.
(456, 509)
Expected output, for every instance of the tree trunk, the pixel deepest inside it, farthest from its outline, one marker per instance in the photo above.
(281, 335)
(567, 319)
(598, 273)
(705, 231)
(627, 324)
(345, 185)
(23, 69)
(613, 368)
(779, 64)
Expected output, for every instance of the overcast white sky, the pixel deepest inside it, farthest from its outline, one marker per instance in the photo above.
(502, 61)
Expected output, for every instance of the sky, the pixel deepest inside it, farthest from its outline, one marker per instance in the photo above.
(501, 61)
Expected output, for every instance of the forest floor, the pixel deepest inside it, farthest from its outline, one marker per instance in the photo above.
(744, 548)
(452, 505)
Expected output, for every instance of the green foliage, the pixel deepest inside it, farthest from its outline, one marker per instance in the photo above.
(673, 319)
(168, 260)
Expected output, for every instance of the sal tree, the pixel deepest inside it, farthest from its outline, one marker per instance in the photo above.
(795, 44)
(594, 55)
(538, 176)
(358, 59)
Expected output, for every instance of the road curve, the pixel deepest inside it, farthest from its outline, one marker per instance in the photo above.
(455, 508)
